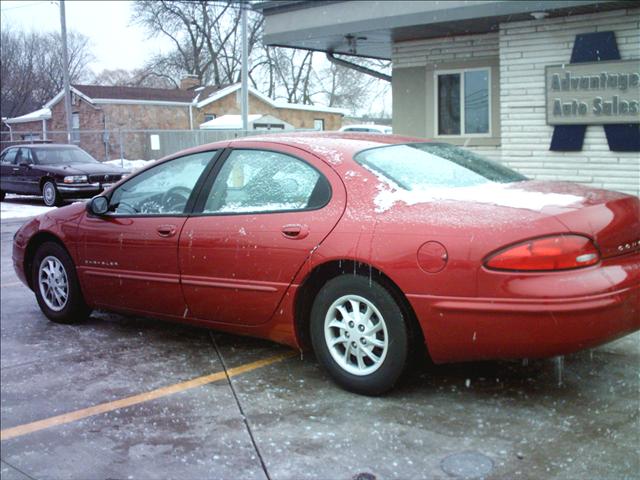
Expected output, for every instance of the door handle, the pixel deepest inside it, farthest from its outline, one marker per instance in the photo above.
(166, 230)
(295, 231)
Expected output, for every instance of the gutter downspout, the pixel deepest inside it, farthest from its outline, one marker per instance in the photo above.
(358, 68)
(10, 130)
(191, 116)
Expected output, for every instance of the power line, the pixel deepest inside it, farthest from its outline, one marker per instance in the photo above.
(23, 5)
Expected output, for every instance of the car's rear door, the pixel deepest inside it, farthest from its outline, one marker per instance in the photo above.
(128, 259)
(260, 220)
(7, 166)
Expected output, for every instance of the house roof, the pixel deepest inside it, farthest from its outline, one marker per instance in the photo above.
(42, 114)
(198, 97)
(101, 94)
(136, 93)
(223, 92)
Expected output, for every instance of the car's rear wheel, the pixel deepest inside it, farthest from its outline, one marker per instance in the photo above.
(50, 194)
(56, 286)
(359, 334)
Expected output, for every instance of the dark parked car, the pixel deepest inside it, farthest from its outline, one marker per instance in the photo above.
(55, 172)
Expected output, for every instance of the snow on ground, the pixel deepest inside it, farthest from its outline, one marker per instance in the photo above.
(21, 210)
(131, 165)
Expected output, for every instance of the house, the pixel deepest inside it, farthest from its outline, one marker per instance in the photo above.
(111, 121)
(549, 88)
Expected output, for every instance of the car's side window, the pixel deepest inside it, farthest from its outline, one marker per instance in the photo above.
(161, 190)
(265, 181)
(9, 157)
(25, 156)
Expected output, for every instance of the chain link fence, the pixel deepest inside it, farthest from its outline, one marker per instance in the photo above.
(128, 144)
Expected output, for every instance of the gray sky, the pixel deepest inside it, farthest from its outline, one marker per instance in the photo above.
(115, 41)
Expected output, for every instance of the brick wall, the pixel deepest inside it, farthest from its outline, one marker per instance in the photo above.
(525, 49)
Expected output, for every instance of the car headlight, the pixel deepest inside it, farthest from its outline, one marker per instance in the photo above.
(75, 179)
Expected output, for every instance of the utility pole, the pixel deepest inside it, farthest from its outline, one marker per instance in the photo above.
(65, 70)
(245, 68)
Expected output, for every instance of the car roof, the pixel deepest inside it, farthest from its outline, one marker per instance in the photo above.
(42, 145)
(345, 142)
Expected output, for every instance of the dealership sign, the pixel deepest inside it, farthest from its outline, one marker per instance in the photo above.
(593, 93)
(595, 88)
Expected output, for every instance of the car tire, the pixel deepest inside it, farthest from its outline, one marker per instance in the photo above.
(359, 334)
(50, 194)
(56, 285)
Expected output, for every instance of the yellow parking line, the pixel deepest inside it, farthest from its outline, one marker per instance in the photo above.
(136, 399)
(13, 284)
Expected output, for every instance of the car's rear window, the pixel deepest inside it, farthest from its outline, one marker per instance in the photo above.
(421, 166)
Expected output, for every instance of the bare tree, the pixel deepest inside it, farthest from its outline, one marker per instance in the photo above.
(31, 68)
(207, 43)
(132, 78)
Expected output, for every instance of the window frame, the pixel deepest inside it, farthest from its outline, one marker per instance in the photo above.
(195, 192)
(203, 195)
(6, 153)
(75, 130)
(436, 105)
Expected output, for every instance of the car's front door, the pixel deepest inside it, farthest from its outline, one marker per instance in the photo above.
(128, 259)
(260, 221)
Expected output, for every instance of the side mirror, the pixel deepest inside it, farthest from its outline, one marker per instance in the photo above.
(99, 205)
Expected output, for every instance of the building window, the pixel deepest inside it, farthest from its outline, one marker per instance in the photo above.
(463, 102)
(209, 116)
(75, 127)
(318, 124)
(268, 126)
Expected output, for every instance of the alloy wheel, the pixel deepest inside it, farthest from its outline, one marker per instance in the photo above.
(356, 335)
(53, 283)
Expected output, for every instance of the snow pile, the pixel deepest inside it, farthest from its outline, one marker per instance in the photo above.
(500, 194)
(131, 165)
(21, 210)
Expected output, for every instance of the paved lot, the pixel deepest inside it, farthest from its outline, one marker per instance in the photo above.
(284, 419)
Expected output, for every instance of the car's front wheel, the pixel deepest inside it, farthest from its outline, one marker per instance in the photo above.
(359, 334)
(56, 285)
(50, 194)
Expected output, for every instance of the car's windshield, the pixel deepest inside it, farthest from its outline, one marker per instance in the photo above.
(62, 156)
(429, 165)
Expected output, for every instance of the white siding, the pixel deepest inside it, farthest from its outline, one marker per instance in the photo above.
(525, 49)
(419, 53)
(439, 53)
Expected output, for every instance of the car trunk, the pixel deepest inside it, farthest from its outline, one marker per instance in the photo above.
(612, 219)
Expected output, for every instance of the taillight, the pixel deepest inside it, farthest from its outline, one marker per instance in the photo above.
(560, 252)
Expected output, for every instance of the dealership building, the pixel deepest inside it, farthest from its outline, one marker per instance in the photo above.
(550, 88)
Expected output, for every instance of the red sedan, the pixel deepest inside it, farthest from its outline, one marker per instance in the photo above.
(363, 247)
